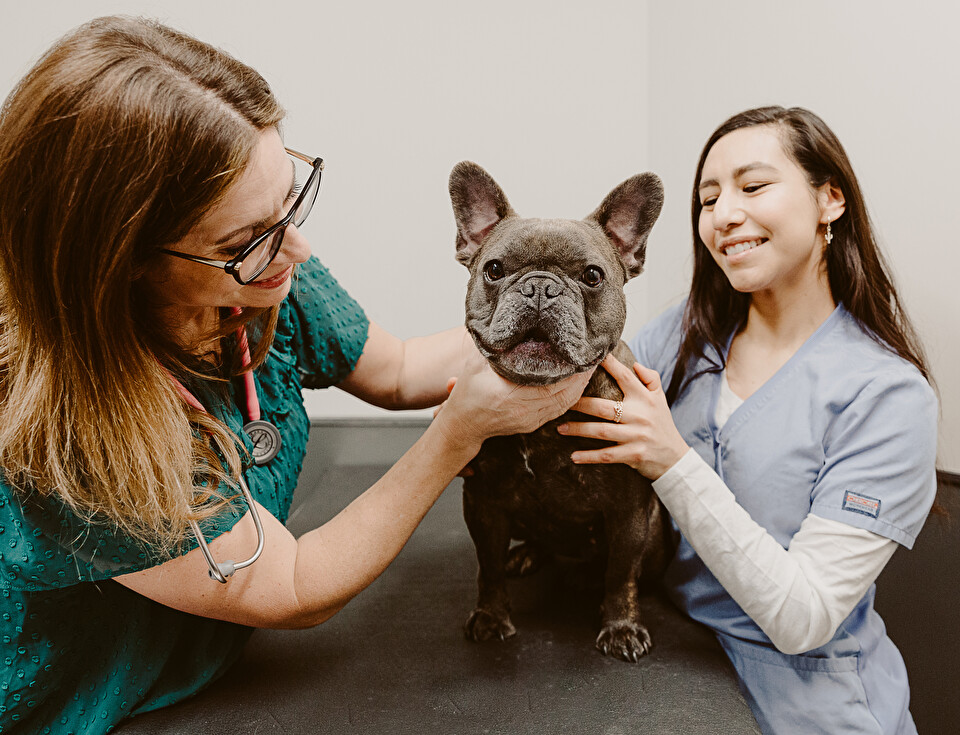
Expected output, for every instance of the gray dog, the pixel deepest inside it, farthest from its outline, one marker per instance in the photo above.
(545, 300)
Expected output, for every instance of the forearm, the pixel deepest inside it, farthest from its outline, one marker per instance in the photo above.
(297, 583)
(428, 363)
(339, 559)
(797, 596)
(407, 374)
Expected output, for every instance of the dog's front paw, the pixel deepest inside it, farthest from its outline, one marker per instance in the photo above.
(625, 640)
(524, 558)
(483, 625)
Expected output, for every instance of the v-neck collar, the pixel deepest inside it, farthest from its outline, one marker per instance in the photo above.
(768, 390)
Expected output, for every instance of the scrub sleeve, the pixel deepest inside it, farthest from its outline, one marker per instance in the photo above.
(80, 651)
(845, 430)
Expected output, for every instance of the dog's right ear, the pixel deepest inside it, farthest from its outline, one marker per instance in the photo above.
(478, 205)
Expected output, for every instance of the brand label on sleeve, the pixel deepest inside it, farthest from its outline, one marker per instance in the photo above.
(861, 504)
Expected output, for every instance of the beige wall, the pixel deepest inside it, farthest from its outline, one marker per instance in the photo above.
(884, 76)
(562, 100)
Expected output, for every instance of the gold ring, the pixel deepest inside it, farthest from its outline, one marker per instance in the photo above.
(617, 412)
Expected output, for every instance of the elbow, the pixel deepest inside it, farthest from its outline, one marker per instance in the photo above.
(792, 648)
(301, 620)
(290, 614)
(297, 619)
(390, 400)
(798, 641)
(394, 401)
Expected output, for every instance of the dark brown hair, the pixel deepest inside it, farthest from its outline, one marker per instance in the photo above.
(116, 143)
(857, 272)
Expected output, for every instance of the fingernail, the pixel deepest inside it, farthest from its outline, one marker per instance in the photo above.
(562, 428)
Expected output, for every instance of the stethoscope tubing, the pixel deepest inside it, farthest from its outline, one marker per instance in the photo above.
(222, 571)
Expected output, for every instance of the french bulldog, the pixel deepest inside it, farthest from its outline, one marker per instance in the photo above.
(544, 301)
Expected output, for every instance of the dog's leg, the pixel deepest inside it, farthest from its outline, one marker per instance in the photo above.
(490, 530)
(622, 633)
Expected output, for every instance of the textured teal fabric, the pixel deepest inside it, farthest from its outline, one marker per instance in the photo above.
(80, 651)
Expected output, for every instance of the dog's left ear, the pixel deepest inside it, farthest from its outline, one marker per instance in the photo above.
(627, 216)
(479, 204)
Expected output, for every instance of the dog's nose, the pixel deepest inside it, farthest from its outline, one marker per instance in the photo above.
(542, 288)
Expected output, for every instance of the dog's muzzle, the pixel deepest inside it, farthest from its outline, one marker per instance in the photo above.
(541, 288)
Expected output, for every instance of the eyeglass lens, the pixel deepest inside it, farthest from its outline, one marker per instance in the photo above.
(257, 261)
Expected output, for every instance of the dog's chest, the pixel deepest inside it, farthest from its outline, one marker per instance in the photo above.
(531, 476)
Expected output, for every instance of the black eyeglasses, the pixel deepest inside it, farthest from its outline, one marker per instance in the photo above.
(256, 257)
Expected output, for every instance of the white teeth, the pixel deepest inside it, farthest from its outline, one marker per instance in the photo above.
(741, 247)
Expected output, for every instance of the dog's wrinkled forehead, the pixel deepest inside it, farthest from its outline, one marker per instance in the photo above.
(542, 244)
(624, 217)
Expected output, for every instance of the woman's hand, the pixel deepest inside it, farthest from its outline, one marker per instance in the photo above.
(645, 436)
(482, 404)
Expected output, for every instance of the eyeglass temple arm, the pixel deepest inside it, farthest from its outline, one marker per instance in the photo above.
(318, 162)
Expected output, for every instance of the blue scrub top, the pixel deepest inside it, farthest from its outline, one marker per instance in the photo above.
(846, 430)
(80, 651)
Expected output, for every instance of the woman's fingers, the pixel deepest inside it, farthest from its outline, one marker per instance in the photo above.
(618, 452)
(627, 378)
(485, 404)
(615, 454)
(599, 407)
(450, 383)
(595, 430)
(650, 378)
(561, 396)
(618, 371)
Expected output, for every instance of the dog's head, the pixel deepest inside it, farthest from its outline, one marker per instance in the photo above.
(545, 298)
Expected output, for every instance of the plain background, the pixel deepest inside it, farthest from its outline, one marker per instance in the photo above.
(560, 101)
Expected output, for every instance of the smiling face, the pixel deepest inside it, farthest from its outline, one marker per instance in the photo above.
(188, 293)
(760, 217)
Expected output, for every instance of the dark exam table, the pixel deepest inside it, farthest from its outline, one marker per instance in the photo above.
(395, 659)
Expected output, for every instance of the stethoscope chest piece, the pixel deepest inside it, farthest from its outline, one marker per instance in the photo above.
(266, 440)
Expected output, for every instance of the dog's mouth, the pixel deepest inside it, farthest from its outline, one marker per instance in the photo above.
(535, 345)
(533, 360)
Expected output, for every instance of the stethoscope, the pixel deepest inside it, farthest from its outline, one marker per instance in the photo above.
(266, 443)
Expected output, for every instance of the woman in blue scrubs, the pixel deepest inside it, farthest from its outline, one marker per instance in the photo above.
(795, 441)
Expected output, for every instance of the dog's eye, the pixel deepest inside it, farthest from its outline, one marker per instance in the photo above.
(592, 276)
(493, 270)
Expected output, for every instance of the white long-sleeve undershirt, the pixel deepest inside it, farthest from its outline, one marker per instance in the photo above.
(798, 595)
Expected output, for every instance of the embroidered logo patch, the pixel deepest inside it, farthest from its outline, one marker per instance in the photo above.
(861, 504)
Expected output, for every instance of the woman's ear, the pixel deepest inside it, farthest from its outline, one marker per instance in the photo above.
(832, 202)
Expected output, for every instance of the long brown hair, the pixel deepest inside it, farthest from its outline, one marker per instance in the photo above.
(857, 272)
(115, 144)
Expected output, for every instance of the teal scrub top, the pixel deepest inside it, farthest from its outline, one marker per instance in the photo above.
(80, 651)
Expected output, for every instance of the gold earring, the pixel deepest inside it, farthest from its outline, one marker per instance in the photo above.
(829, 235)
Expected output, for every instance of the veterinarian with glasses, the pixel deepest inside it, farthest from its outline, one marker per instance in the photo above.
(159, 314)
(795, 442)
